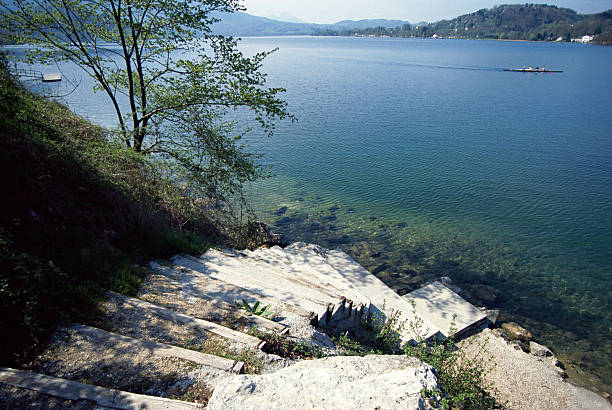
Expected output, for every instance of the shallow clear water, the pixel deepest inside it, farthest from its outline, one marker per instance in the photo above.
(447, 165)
(431, 153)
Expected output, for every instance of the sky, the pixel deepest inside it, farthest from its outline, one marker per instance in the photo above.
(331, 11)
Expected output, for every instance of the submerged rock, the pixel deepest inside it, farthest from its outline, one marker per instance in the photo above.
(281, 211)
(513, 331)
(448, 282)
(365, 249)
(329, 218)
(539, 350)
(383, 266)
(388, 382)
(485, 294)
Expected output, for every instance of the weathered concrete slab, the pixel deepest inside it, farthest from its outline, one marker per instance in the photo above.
(380, 295)
(342, 382)
(211, 327)
(307, 260)
(266, 261)
(274, 277)
(155, 348)
(284, 272)
(71, 390)
(445, 309)
(164, 290)
(201, 285)
(344, 315)
(220, 266)
(240, 270)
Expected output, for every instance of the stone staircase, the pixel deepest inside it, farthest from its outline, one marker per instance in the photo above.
(183, 334)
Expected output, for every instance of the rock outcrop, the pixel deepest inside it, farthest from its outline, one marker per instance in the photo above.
(528, 380)
(387, 382)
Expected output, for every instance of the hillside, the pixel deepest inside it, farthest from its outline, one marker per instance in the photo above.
(508, 22)
(243, 24)
(524, 22)
(78, 214)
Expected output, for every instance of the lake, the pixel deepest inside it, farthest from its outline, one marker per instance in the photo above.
(423, 158)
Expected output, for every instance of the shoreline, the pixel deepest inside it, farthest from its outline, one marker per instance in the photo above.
(379, 260)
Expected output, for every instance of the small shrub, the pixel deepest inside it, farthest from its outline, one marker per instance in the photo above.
(379, 335)
(461, 378)
(383, 334)
(349, 346)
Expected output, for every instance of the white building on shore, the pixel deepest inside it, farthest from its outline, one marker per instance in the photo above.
(583, 39)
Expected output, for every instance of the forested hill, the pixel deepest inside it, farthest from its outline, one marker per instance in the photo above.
(511, 22)
(243, 24)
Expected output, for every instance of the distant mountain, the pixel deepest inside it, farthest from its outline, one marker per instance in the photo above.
(512, 22)
(361, 24)
(243, 24)
(285, 17)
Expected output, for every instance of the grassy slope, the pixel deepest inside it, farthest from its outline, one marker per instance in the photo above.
(77, 214)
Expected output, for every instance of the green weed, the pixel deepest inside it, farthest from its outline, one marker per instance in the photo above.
(256, 309)
(462, 379)
(282, 346)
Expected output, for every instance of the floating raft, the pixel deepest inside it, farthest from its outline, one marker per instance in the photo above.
(527, 70)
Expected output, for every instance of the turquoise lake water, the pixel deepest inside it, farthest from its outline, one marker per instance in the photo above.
(446, 165)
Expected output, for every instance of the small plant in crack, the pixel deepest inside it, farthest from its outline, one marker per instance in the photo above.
(256, 309)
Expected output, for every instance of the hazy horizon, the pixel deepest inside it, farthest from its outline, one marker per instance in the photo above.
(325, 12)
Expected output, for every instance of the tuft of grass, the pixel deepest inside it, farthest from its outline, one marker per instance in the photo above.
(220, 347)
(282, 346)
(196, 393)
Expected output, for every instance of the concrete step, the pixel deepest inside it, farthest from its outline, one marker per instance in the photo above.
(201, 285)
(381, 295)
(308, 259)
(446, 310)
(109, 339)
(298, 265)
(71, 390)
(163, 290)
(336, 313)
(342, 315)
(222, 267)
(205, 325)
(260, 259)
(258, 273)
(284, 274)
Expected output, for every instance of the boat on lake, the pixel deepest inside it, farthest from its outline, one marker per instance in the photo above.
(47, 78)
(532, 70)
